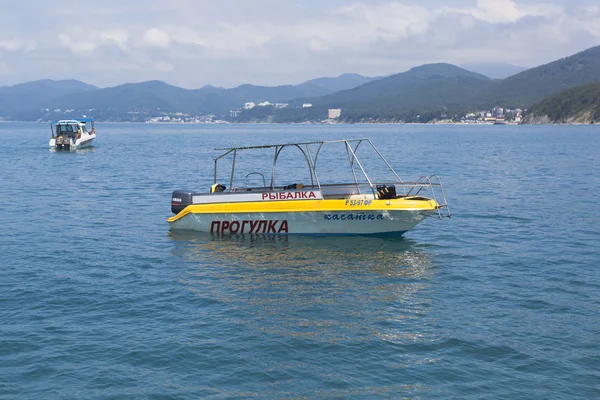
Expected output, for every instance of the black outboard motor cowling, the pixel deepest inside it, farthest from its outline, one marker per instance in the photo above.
(180, 200)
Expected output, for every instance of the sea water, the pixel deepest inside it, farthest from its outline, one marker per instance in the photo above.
(99, 300)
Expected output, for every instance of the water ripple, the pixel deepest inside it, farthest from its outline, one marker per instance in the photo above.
(99, 300)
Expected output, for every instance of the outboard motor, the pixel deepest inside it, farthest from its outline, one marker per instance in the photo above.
(180, 200)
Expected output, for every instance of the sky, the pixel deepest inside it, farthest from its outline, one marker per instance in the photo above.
(192, 43)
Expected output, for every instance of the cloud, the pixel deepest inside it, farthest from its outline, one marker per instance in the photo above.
(16, 44)
(11, 44)
(511, 11)
(76, 45)
(156, 38)
(391, 21)
(163, 66)
(497, 11)
(117, 37)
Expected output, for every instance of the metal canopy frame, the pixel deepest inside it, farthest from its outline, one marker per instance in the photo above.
(305, 149)
(432, 182)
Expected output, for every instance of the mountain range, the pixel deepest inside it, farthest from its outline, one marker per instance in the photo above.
(435, 90)
(24, 101)
(431, 86)
(431, 89)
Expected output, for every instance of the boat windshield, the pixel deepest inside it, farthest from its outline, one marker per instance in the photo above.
(66, 128)
(70, 128)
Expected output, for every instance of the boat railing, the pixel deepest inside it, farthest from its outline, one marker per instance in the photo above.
(433, 184)
(424, 187)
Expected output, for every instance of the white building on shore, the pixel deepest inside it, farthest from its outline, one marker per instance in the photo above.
(334, 113)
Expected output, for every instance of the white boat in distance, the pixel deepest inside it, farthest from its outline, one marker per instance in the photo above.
(72, 134)
(361, 207)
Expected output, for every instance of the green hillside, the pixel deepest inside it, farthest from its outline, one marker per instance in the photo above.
(424, 89)
(443, 90)
(443, 87)
(576, 105)
(524, 89)
(430, 86)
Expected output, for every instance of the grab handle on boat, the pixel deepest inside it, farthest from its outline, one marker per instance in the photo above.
(257, 173)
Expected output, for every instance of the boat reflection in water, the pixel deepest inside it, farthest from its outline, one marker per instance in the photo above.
(393, 256)
(319, 288)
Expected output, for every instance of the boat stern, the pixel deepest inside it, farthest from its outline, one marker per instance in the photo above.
(62, 143)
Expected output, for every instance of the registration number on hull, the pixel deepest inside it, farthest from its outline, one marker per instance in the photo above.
(356, 203)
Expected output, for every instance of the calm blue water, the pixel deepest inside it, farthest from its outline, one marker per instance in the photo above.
(99, 301)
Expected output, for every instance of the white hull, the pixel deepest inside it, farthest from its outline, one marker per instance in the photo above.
(84, 142)
(307, 223)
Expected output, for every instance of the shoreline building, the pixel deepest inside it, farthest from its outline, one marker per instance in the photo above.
(334, 113)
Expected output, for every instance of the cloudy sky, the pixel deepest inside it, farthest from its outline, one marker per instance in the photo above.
(191, 43)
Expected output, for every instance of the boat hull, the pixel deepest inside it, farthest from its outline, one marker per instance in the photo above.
(81, 143)
(334, 221)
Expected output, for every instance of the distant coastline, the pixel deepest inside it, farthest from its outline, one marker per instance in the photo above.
(322, 124)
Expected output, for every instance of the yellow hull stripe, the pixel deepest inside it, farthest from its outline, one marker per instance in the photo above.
(293, 206)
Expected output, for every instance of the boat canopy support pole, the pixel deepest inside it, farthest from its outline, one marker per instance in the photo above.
(232, 171)
(361, 168)
(356, 149)
(215, 180)
(313, 167)
(348, 150)
(306, 157)
(273, 169)
(278, 150)
(387, 163)
(317, 155)
(216, 160)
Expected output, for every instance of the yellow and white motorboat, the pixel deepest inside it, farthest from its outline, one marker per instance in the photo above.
(362, 207)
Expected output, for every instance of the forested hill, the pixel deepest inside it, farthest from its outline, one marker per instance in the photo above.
(528, 87)
(428, 87)
(576, 105)
(442, 90)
